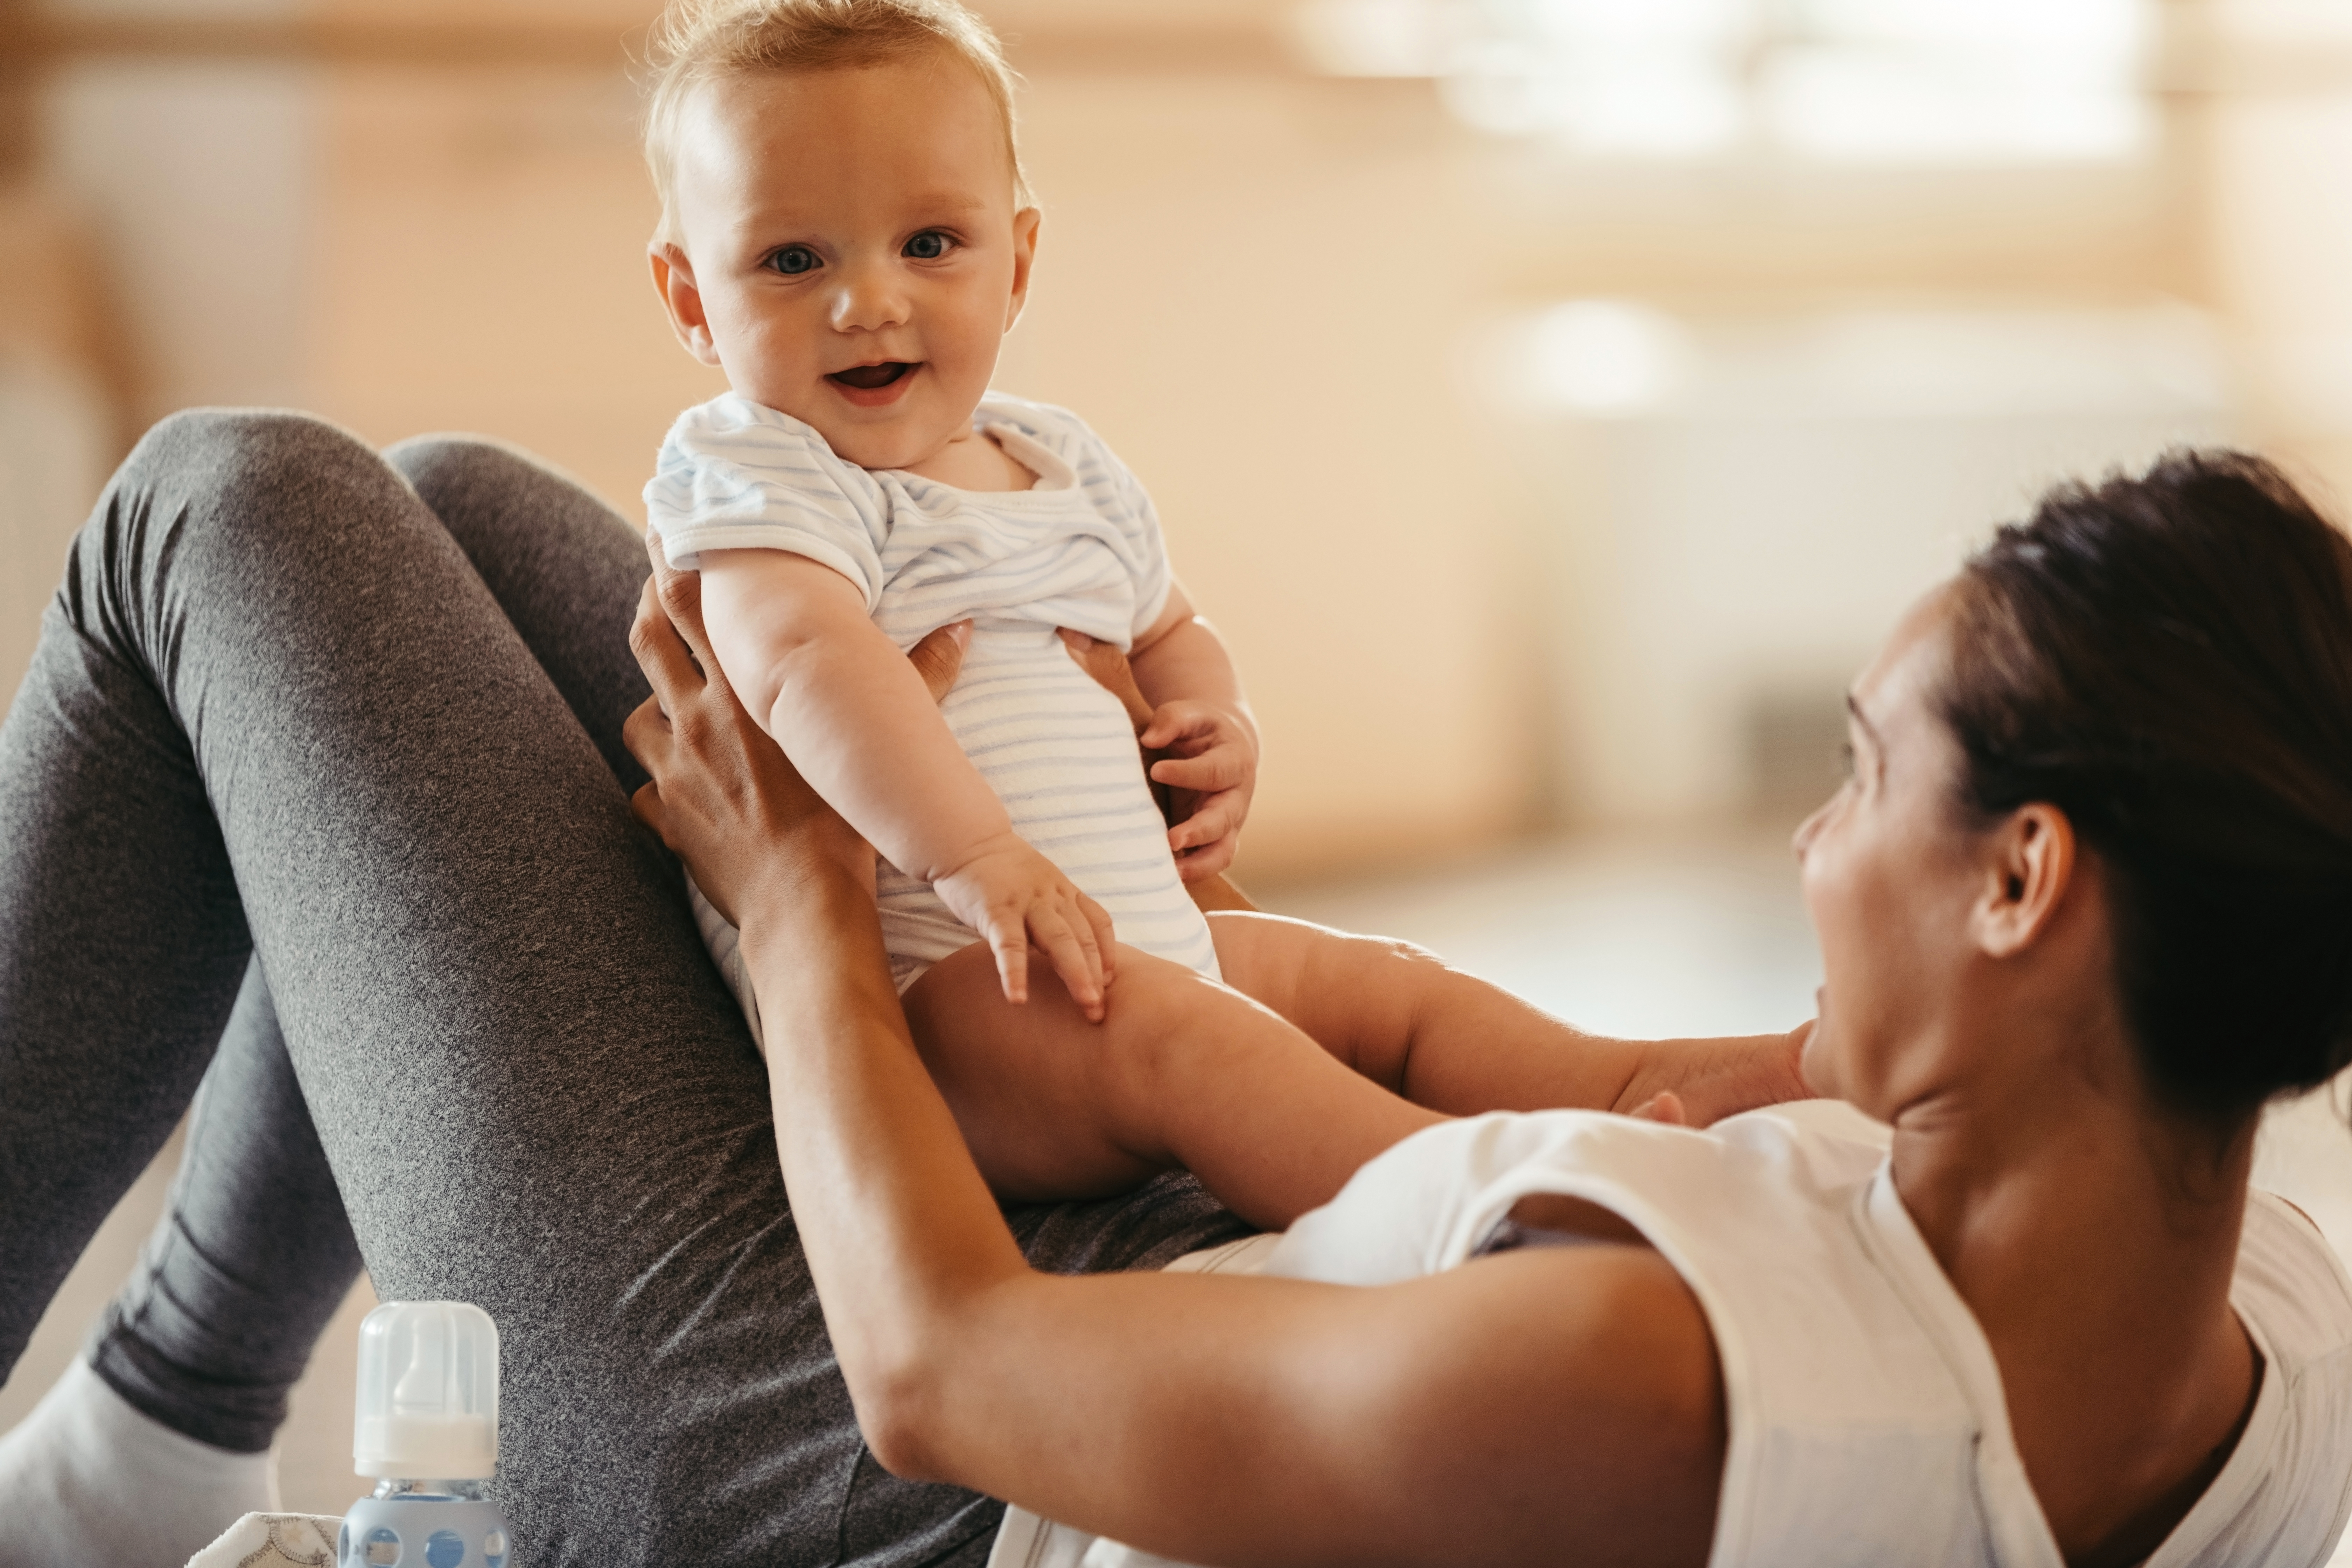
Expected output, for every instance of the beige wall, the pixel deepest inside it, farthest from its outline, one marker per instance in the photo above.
(1252, 286)
(1263, 287)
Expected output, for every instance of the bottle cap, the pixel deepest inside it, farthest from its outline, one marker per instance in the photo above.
(428, 1394)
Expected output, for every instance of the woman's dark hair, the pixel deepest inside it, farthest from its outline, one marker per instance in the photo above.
(2168, 660)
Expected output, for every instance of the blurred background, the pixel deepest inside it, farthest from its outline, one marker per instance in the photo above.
(1553, 401)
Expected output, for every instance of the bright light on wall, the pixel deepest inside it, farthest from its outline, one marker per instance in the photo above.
(1603, 358)
(1886, 81)
(1935, 81)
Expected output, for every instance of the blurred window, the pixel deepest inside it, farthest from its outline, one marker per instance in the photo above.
(1858, 81)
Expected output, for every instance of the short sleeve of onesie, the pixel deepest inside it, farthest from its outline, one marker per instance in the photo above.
(734, 475)
(1114, 492)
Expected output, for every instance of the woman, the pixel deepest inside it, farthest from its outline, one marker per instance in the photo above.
(2085, 905)
(2093, 807)
(356, 724)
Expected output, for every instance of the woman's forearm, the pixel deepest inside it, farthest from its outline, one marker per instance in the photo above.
(899, 1227)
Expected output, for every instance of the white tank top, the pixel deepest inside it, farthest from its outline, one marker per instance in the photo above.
(1866, 1419)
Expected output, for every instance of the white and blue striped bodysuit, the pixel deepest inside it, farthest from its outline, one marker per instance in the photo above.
(1082, 549)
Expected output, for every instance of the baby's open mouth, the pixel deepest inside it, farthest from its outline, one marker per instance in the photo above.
(868, 377)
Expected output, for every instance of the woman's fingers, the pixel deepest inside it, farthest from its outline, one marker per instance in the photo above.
(1109, 668)
(939, 658)
(681, 594)
(1203, 864)
(645, 805)
(646, 734)
(670, 669)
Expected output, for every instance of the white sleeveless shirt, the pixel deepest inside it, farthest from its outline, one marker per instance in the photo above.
(1867, 1423)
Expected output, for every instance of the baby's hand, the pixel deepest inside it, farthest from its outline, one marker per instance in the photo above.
(1212, 767)
(1014, 898)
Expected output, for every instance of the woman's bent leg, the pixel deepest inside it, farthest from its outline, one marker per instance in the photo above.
(159, 1439)
(531, 1090)
(529, 1083)
(253, 1253)
(250, 1259)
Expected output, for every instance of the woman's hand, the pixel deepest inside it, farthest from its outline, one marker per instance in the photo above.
(1108, 667)
(724, 797)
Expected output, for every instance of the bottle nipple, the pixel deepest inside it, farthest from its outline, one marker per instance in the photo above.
(428, 1393)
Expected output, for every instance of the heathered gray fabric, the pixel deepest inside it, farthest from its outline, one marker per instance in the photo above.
(278, 713)
(250, 1260)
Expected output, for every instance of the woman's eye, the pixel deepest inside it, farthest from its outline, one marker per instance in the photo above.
(928, 245)
(794, 260)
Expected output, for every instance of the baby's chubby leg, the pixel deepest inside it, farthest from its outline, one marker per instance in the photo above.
(1449, 1041)
(1181, 1071)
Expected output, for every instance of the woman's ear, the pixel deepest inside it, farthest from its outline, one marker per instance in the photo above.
(2030, 868)
(674, 281)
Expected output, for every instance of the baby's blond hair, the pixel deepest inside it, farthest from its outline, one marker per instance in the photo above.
(701, 41)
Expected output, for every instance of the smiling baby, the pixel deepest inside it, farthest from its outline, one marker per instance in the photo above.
(847, 234)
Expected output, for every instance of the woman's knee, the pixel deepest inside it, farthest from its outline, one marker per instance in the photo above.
(234, 449)
(512, 514)
(244, 473)
(485, 491)
(444, 468)
(239, 510)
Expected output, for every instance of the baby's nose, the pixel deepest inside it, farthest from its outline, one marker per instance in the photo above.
(867, 300)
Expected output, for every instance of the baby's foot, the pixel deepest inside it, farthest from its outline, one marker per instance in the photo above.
(1711, 1080)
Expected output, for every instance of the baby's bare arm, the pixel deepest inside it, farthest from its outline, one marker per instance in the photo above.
(1179, 656)
(795, 640)
(1201, 728)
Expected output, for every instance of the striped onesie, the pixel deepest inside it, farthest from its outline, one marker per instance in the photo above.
(1082, 549)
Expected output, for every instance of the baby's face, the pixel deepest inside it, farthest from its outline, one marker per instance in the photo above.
(849, 253)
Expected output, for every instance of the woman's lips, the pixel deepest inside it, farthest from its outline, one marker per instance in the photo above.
(872, 385)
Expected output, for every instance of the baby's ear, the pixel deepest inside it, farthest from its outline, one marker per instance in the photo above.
(1025, 253)
(674, 281)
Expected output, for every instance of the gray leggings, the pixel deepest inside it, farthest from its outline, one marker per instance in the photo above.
(352, 722)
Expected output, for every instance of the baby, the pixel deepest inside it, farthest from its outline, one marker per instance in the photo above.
(847, 233)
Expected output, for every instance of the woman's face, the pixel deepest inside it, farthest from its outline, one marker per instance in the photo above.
(1889, 877)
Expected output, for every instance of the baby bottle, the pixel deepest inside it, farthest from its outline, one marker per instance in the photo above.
(428, 1432)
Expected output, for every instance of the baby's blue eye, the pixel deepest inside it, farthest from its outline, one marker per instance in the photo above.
(794, 260)
(928, 245)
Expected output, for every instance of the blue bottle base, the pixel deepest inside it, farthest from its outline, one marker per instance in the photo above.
(422, 1532)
